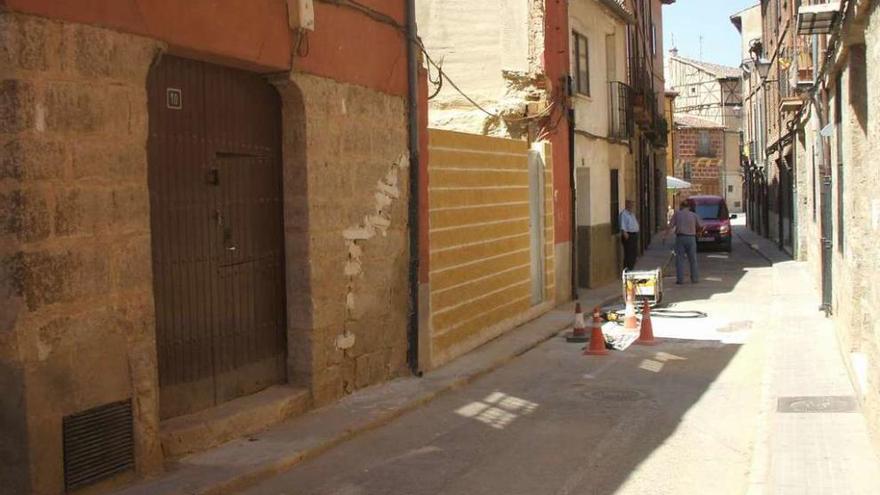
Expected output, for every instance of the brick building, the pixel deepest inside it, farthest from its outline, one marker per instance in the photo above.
(699, 155)
(204, 225)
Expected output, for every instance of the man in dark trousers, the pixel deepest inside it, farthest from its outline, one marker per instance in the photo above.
(629, 235)
(687, 225)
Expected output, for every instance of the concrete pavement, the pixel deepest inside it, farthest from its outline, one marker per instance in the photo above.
(706, 411)
(240, 463)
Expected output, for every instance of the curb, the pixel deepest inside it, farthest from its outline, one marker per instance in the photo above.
(755, 248)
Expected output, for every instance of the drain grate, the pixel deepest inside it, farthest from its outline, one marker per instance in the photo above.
(98, 444)
(817, 404)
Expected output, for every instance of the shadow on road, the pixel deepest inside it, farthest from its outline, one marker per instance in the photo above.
(556, 422)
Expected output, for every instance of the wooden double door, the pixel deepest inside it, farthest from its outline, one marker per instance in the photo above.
(214, 154)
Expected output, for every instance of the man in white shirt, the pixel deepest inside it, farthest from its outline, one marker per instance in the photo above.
(629, 235)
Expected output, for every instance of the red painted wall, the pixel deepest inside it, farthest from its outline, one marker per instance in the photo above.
(556, 65)
(253, 34)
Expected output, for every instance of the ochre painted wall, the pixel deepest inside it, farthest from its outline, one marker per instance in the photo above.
(480, 238)
(253, 34)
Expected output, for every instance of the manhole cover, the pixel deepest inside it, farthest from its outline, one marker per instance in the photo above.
(817, 404)
(616, 395)
(736, 326)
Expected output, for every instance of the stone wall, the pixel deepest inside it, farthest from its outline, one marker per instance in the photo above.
(346, 199)
(856, 263)
(76, 325)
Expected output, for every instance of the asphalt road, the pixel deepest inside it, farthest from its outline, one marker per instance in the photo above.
(679, 417)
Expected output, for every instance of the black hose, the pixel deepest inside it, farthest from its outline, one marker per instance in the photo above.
(618, 312)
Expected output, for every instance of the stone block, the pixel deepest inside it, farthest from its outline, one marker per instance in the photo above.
(25, 214)
(87, 108)
(13, 428)
(109, 160)
(17, 105)
(131, 265)
(52, 276)
(32, 159)
(82, 211)
(362, 371)
(328, 386)
(29, 43)
(102, 53)
(130, 207)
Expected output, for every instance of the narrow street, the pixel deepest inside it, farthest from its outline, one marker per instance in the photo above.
(703, 412)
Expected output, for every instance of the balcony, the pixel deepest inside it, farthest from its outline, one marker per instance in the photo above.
(620, 120)
(817, 18)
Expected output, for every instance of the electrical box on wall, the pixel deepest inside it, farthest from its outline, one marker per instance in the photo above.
(301, 14)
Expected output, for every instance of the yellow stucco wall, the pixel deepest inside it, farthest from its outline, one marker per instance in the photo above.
(480, 242)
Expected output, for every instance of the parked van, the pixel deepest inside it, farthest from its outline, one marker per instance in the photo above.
(715, 218)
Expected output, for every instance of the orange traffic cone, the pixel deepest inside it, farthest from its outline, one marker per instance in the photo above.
(646, 333)
(597, 338)
(630, 322)
(579, 333)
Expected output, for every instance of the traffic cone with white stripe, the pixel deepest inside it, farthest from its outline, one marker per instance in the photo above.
(646, 330)
(630, 321)
(579, 332)
(597, 338)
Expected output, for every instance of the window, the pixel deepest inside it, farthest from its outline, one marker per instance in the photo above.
(838, 123)
(704, 144)
(615, 200)
(688, 171)
(581, 63)
(730, 189)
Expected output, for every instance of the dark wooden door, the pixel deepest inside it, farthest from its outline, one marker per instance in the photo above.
(217, 231)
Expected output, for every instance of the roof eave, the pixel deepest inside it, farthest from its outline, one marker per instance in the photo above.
(618, 10)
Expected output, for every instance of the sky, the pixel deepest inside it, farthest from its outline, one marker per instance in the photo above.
(686, 20)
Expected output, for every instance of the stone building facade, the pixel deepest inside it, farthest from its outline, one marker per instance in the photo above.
(826, 61)
(85, 326)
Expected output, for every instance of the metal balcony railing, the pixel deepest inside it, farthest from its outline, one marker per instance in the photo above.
(620, 120)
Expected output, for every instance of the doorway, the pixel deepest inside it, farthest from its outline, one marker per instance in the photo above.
(214, 171)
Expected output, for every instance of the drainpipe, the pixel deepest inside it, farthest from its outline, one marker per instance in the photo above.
(412, 65)
(574, 238)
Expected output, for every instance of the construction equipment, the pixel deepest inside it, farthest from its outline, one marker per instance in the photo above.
(645, 285)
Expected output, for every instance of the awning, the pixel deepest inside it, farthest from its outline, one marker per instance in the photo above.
(676, 183)
(817, 19)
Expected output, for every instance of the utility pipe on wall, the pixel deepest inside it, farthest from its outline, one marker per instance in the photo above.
(412, 66)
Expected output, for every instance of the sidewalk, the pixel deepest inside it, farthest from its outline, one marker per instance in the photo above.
(243, 462)
(811, 436)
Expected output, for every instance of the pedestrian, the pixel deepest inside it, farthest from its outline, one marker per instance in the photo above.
(686, 224)
(629, 235)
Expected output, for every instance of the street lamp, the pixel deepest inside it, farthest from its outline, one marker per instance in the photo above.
(763, 68)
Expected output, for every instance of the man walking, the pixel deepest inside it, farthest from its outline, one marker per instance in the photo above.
(686, 224)
(629, 235)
